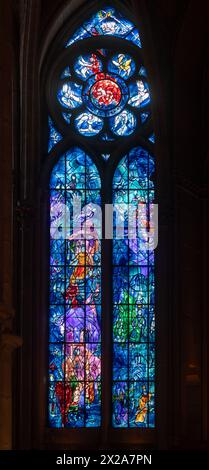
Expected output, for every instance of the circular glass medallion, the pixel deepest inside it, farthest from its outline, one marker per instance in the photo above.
(105, 95)
(88, 124)
(124, 124)
(123, 65)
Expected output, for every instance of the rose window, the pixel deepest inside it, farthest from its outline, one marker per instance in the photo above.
(104, 94)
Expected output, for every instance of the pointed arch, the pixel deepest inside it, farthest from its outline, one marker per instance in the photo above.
(98, 97)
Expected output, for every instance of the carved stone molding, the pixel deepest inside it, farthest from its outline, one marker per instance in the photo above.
(6, 315)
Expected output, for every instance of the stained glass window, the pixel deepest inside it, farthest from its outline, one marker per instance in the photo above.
(133, 300)
(75, 297)
(99, 99)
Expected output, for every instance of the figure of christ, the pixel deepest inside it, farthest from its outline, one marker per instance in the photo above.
(83, 260)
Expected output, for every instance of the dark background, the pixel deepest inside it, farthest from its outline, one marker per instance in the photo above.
(175, 36)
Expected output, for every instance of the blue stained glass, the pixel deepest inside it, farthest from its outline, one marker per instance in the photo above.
(144, 117)
(103, 52)
(120, 324)
(80, 34)
(88, 124)
(105, 95)
(103, 90)
(66, 73)
(120, 404)
(75, 297)
(138, 366)
(123, 124)
(54, 136)
(55, 418)
(106, 137)
(141, 404)
(56, 357)
(120, 360)
(135, 171)
(56, 325)
(92, 404)
(67, 117)
(108, 22)
(143, 72)
(123, 65)
(106, 156)
(87, 65)
(138, 324)
(133, 300)
(152, 138)
(133, 36)
(139, 94)
(69, 95)
(57, 252)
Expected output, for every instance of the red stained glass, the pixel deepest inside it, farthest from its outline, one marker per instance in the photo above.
(106, 92)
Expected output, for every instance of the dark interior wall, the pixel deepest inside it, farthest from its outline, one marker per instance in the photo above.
(175, 36)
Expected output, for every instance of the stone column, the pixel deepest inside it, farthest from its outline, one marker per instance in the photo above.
(8, 340)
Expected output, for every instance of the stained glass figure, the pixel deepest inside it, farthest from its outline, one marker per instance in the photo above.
(75, 297)
(139, 94)
(88, 65)
(87, 124)
(69, 95)
(124, 124)
(107, 22)
(133, 302)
